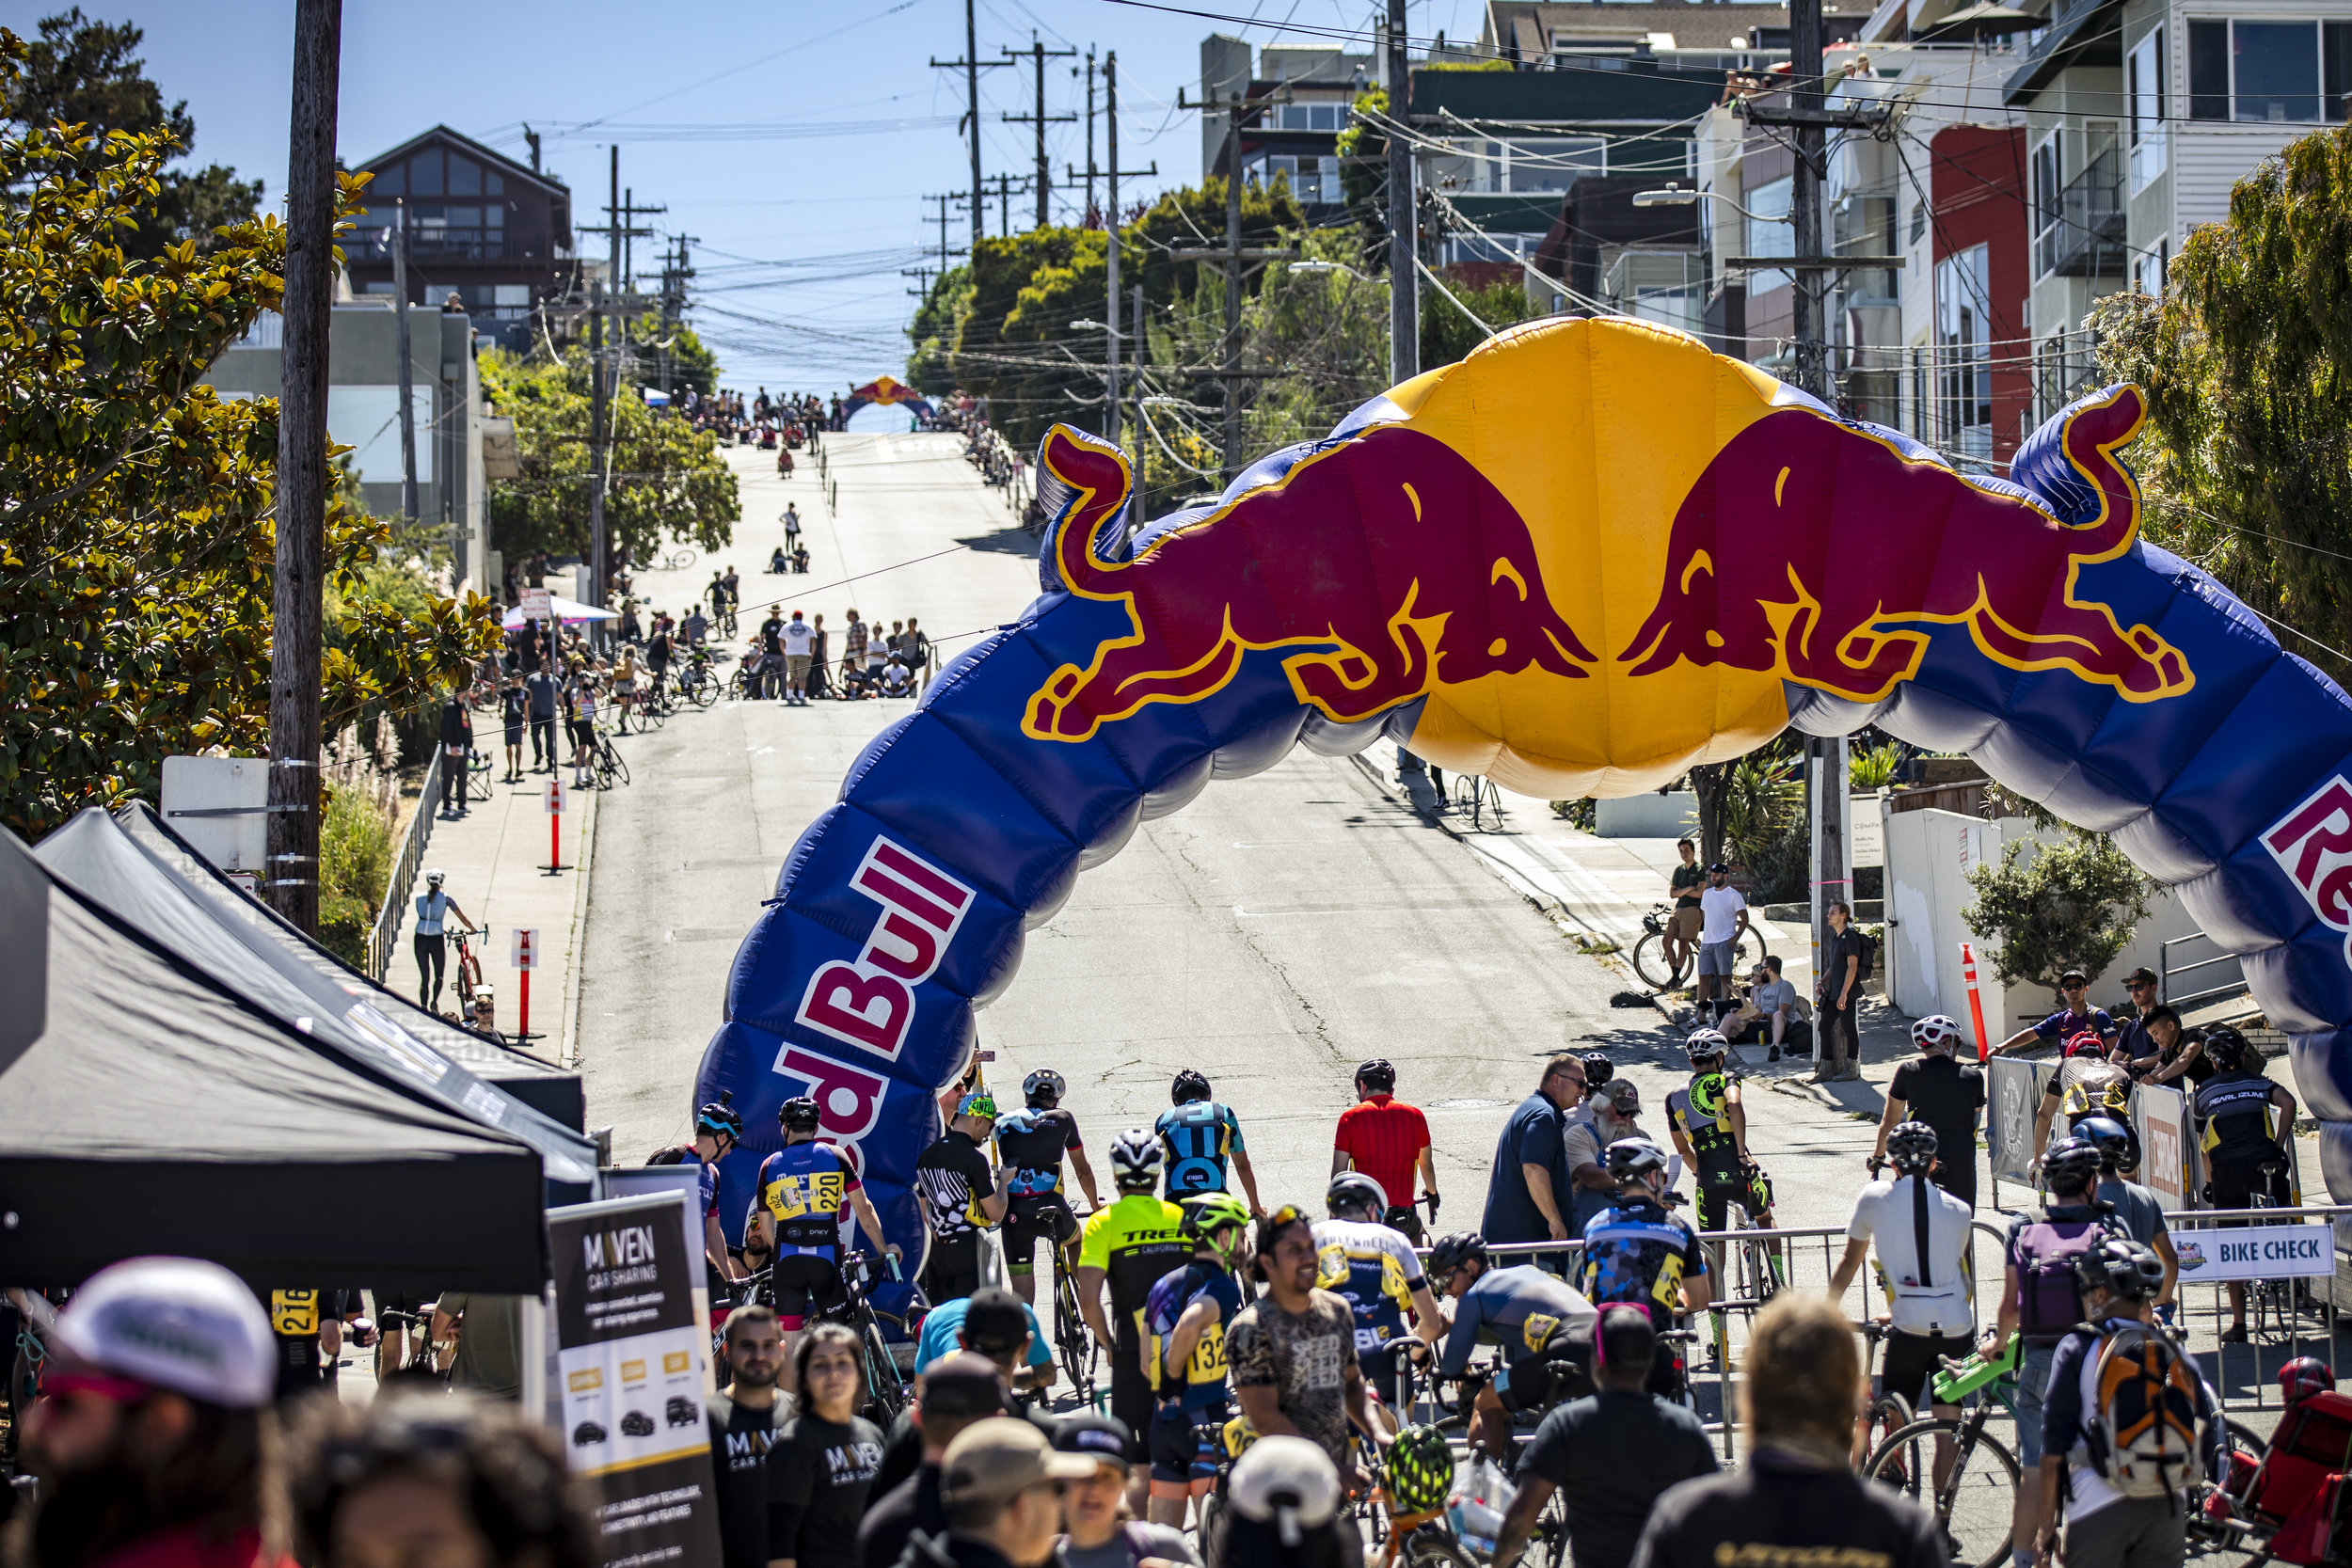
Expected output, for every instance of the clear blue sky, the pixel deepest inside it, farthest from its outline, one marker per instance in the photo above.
(802, 237)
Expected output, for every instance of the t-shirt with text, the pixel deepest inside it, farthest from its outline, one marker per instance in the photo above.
(1303, 1357)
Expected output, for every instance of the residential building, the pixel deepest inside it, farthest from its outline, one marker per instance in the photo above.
(364, 412)
(495, 232)
(1295, 132)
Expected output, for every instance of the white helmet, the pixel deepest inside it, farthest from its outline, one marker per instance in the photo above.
(1935, 1033)
(435, 879)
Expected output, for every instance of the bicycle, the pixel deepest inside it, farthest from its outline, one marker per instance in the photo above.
(679, 560)
(1079, 1354)
(697, 682)
(2273, 1300)
(466, 972)
(606, 760)
(885, 1384)
(1976, 1502)
(1649, 953)
(1477, 797)
(1888, 1412)
(648, 709)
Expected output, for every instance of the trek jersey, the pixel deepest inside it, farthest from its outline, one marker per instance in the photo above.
(1373, 1268)
(1637, 1252)
(805, 1186)
(1201, 1136)
(2236, 1118)
(1517, 1308)
(1030, 1143)
(1135, 1243)
(1700, 1113)
(1200, 1382)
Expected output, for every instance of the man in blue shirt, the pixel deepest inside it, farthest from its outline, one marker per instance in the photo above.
(1527, 1193)
(2077, 1017)
(1201, 1135)
(943, 1334)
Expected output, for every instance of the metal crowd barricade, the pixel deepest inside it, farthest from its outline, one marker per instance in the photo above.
(2288, 1314)
(405, 863)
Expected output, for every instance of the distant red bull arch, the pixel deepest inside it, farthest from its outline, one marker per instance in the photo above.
(889, 393)
(1581, 561)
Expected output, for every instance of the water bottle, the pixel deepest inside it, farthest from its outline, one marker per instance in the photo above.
(1481, 1499)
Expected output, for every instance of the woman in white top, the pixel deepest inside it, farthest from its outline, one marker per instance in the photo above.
(433, 909)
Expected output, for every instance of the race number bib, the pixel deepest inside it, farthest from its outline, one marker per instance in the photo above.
(294, 1314)
(1536, 1329)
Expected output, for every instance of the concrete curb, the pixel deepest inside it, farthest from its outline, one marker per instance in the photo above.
(576, 938)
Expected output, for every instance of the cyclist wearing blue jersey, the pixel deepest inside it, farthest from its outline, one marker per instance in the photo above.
(1636, 1252)
(1184, 1320)
(1030, 1144)
(804, 1189)
(1372, 1267)
(717, 1128)
(1201, 1135)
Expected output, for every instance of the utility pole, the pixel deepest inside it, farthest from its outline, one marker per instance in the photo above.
(944, 252)
(1088, 211)
(297, 607)
(1110, 223)
(408, 374)
(1233, 106)
(1039, 55)
(674, 275)
(1403, 220)
(971, 65)
(627, 216)
(1006, 185)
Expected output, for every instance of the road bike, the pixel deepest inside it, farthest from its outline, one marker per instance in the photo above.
(1476, 798)
(2275, 1301)
(697, 682)
(678, 559)
(1889, 1412)
(885, 1383)
(465, 973)
(1649, 953)
(646, 708)
(1080, 1354)
(1975, 1501)
(606, 760)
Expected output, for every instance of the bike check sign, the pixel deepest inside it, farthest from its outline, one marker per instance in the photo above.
(2256, 1252)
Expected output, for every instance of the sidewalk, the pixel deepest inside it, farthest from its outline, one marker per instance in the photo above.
(496, 856)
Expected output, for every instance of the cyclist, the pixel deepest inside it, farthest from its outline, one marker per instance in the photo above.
(717, 1129)
(804, 1187)
(1370, 1262)
(2243, 1122)
(1130, 1246)
(1030, 1144)
(2139, 1209)
(1638, 1252)
(1543, 1327)
(433, 907)
(1388, 1140)
(1186, 1317)
(959, 1197)
(1201, 1134)
(1711, 1133)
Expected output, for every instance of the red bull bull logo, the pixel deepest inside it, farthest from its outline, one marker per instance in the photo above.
(1389, 562)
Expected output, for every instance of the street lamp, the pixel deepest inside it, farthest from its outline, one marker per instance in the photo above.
(1675, 196)
(1084, 325)
(1318, 269)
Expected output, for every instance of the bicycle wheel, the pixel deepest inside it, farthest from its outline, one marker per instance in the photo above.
(1888, 1415)
(704, 692)
(1649, 962)
(882, 1377)
(1072, 1338)
(1431, 1548)
(1976, 1505)
(609, 766)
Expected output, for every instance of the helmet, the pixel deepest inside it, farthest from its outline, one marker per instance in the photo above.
(1935, 1033)
(2300, 1379)
(980, 1103)
(2225, 1048)
(2081, 1042)
(1420, 1470)
(1289, 1483)
(2109, 1138)
(1136, 1159)
(1379, 1072)
(2121, 1267)
(1706, 1045)
(1911, 1147)
(1206, 1214)
(435, 879)
(1452, 1250)
(1354, 1190)
(1630, 1159)
(1189, 1086)
(2071, 1165)
(1598, 1069)
(1044, 1083)
(721, 1115)
(798, 1116)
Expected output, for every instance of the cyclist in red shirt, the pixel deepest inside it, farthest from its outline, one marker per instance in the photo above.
(1385, 1138)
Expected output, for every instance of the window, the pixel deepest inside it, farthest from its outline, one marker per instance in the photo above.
(2208, 70)
(1963, 360)
(2144, 101)
(390, 182)
(1305, 117)
(1765, 237)
(1553, 163)
(2147, 270)
(2049, 205)
(1312, 178)
(424, 173)
(1918, 221)
(465, 177)
(2335, 63)
(2276, 72)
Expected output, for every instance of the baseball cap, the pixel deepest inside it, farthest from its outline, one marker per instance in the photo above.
(995, 1458)
(1102, 1437)
(179, 1323)
(962, 1384)
(995, 1321)
(2143, 975)
(980, 1103)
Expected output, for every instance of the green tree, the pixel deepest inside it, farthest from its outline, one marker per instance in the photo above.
(1447, 335)
(2055, 907)
(2248, 457)
(89, 74)
(691, 364)
(136, 508)
(668, 480)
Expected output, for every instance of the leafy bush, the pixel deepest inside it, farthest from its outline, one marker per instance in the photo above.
(1873, 768)
(2055, 907)
(355, 870)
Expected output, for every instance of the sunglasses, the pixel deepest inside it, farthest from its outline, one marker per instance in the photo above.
(2072, 985)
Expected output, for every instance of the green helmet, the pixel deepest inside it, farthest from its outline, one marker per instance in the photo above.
(1420, 1470)
(1208, 1213)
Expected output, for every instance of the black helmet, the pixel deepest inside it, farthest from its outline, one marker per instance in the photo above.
(1353, 1190)
(1453, 1249)
(1380, 1075)
(2110, 1138)
(1630, 1159)
(1189, 1086)
(798, 1114)
(2121, 1267)
(1911, 1147)
(721, 1115)
(2071, 1165)
(1598, 1069)
(1044, 1085)
(2225, 1048)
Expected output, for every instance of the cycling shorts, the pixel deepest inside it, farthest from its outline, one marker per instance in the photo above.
(1046, 1215)
(2236, 1182)
(805, 1286)
(1187, 1444)
(1133, 1402)
(1911, 1359)
(1720, 1186)
(1561, 1371)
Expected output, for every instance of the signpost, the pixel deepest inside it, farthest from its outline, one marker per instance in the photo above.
(555, 827)
(526, 958)
(2256, 1252)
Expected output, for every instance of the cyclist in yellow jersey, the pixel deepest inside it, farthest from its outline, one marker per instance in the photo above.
(1128, 1246)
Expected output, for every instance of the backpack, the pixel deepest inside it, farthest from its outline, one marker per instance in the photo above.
(1866, 954)
(2144, 1433)
(2049, 1299)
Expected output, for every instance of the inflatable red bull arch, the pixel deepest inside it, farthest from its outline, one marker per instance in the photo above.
(1581, 560)
(889, 393)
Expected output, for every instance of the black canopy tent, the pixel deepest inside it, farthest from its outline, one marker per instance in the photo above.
(93, 855)
(550, 1090)
(146, 1107)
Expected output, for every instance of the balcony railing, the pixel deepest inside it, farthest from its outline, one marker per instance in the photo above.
(448, 245)
(2087, 239)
